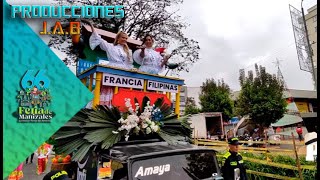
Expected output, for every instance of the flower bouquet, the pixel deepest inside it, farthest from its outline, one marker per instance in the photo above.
(102, 127)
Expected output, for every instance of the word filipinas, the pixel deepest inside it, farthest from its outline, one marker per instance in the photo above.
(46, 11)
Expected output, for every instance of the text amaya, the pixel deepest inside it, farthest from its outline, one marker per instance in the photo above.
(156, 170)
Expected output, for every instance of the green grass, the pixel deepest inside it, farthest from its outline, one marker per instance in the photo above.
(281, 159)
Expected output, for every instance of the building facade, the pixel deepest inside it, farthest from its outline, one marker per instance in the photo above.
(188, 92)
(311, 22)
(194, 92)
(305, 101)
(183, 99)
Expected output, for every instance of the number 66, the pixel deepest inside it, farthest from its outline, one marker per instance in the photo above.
(40, 80)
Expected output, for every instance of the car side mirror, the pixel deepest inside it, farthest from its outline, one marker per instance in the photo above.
(237, 174)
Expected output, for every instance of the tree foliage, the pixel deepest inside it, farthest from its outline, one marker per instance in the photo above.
(141, 17)
(261, 97)
(191, 107)
(215, 97)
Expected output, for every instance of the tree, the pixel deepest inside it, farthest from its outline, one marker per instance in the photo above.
(261, 97)
(215, 97)
(141, 18)
(191, 107)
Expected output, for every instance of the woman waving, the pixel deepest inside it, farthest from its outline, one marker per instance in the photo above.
(151, 61)
(118, 53)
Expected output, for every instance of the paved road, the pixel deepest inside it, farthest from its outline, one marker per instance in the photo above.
(30, 170)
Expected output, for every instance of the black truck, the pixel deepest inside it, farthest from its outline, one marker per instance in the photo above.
(157, 160)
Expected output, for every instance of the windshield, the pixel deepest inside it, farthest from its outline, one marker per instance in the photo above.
(186, 166)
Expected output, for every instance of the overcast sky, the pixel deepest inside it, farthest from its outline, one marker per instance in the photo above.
(235, 34)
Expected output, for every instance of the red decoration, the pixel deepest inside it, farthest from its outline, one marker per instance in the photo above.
(75, 39)
(118, 99)
(160, 49)
(299, 130)
(41, 165)
(289, 100)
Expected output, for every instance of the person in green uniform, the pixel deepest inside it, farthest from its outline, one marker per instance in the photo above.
(233, 160)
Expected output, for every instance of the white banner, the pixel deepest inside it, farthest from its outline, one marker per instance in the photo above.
(121, 81)
(160, 86)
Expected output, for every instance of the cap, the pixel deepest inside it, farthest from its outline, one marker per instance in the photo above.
(56, 175)
(233, 141)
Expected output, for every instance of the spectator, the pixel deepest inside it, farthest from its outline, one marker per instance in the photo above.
(299, 132)
(278, 130)
(31, 158)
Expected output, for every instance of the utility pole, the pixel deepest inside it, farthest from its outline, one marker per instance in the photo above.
(279, 74)
(280, 77)
(309, 48)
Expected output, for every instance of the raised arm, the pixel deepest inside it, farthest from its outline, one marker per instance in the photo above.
(142, 53)
(89, 23)
(96, 40)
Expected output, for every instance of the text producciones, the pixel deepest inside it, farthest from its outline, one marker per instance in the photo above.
(47, 11)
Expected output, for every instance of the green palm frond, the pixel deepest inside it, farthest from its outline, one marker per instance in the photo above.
(82, 151)
(96, 129)
(69, 147)
(111, 140)
(177, 129)
(171, 138)
(88, 129)
(166, 110)
(68, 133)
(98, 136)
(144, 103)
(170, 117)
(159, 102)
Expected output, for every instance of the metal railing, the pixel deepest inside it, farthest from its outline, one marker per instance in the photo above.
(268, 150)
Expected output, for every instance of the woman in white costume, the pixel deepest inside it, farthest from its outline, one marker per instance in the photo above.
(118, 53)
(150, 60)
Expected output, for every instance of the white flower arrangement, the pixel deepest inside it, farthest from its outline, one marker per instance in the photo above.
(136, 124)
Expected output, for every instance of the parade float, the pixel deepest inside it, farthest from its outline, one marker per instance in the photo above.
(127, 106)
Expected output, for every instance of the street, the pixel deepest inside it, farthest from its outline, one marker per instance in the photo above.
(30, 170)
